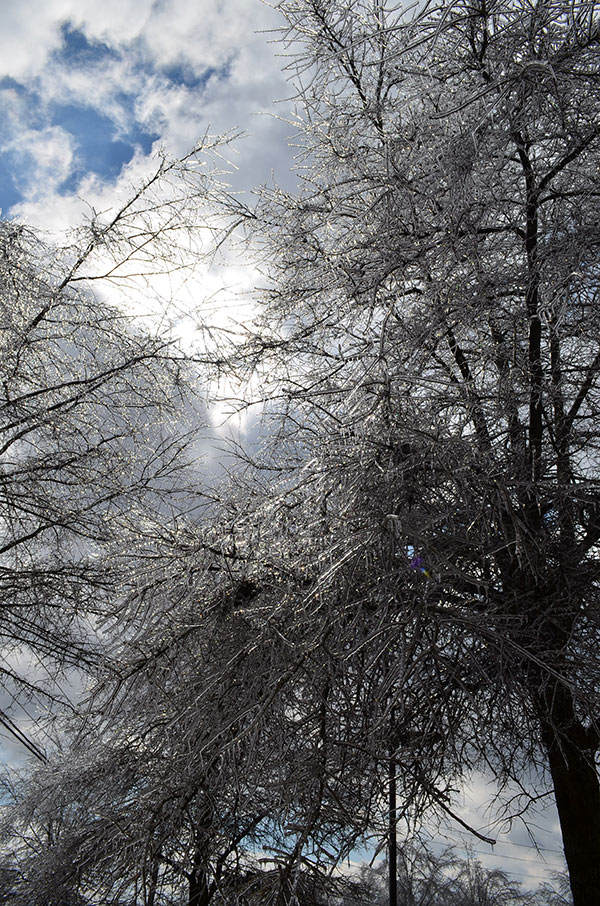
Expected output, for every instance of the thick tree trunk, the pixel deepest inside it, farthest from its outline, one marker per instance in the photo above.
(200, 892)
(201, 888)
(570, 749)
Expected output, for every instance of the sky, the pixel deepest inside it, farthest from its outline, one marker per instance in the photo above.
(91, 90)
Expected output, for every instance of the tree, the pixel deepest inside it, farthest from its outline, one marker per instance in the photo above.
(431, 331)
(92, 423)
(418, 537)
(427, 879)
(557, 894)
(186, 776)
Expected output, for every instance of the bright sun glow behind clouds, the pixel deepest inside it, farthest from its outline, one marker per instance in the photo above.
(91, 92)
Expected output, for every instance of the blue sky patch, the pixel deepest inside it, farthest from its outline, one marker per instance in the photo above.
(9, 194)
(100, 148)
(182, 74)
(9, 83)
(77, 49)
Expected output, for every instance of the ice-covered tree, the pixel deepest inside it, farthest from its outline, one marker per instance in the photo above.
(431, 332)
(418, 543)
(92, 419)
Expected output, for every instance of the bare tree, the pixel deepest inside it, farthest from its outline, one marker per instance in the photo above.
(418, 547)
(179, 779)
(445, 878)
(92, 420)
(431, 332)
(234, 748)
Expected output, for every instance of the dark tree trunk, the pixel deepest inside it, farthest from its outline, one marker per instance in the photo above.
(151, 893)
(200, 891)
(201, 887)
(571, 747)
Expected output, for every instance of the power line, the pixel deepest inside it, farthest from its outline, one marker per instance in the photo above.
(512, 858)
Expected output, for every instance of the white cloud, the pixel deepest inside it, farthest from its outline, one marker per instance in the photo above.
(147, 36)
(204, 34)
(29, 34)
(98, 86)
(45, 158)
(114, 22)
(31, 29)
